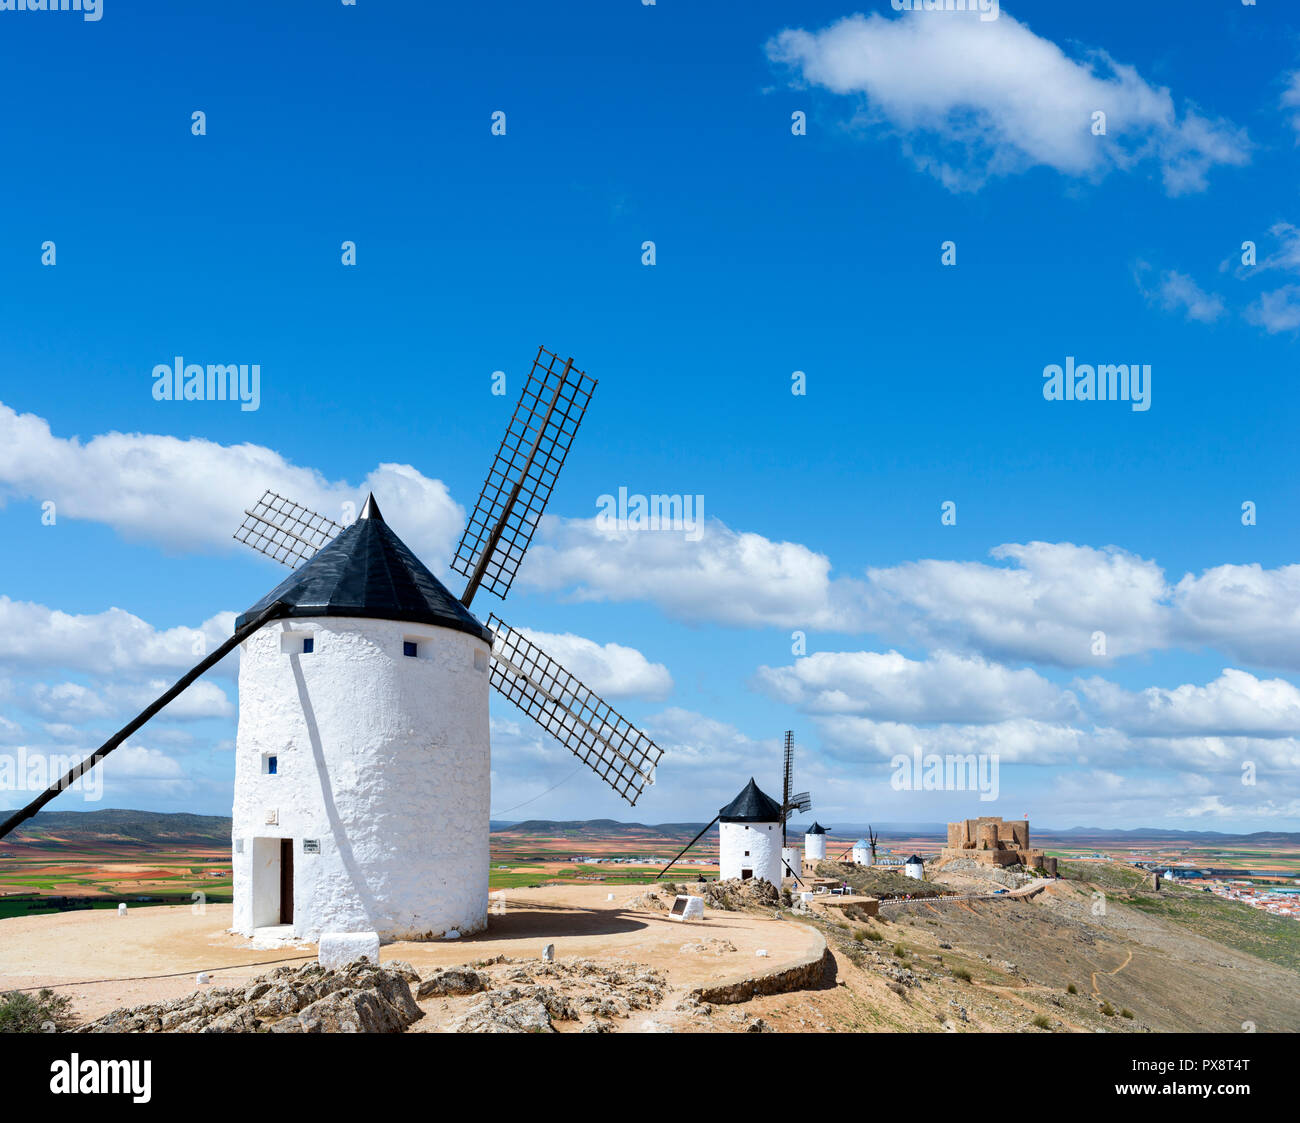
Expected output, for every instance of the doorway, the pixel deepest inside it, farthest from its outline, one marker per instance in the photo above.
(745, 875)
(286, 881)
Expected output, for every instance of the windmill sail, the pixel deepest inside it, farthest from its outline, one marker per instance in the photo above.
(522, 475)
(577, 717)
(790, 800)
(179, 687)
(284, 530)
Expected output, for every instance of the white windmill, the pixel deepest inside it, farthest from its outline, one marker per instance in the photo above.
(362, 758)
(814, 843)
(748, 845)
(749, 837)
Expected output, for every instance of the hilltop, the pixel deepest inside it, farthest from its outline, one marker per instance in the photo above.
(60, 830)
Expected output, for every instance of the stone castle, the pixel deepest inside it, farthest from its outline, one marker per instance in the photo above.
(995, 842)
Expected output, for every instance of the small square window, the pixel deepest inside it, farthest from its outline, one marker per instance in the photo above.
(308, 645)
(411, 648)
(746, 853)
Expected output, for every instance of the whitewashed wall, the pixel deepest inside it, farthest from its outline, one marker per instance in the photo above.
(762, 840)
(384, 760)
(814, 847)
(791, 857)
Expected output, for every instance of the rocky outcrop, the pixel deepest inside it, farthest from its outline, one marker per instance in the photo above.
(453, 981)
(357, 998)
(531, 995)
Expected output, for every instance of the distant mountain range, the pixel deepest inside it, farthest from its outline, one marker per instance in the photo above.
(115, 826)
(119, 826)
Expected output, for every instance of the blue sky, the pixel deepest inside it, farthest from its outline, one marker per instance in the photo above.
(775, 253)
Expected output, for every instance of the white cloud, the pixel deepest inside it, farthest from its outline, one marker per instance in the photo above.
(1047, 607)
(1246, 611)
(1110, 797)
(890, 687)
(612, 670)
(1045, 603)
(1235, 704)
(33, 636)
(1291, 101)
(1287, 255)
(1177, 292)
(727, 576)
(191, 494)
(971, 100)
(1276, 311)
(71, 702)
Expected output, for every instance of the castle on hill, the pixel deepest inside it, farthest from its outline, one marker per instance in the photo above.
(995, 841)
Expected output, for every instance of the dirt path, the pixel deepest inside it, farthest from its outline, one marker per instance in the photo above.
(1096, 991)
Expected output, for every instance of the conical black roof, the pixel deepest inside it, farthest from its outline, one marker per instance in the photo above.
(751, 806)
(816, 828)
(368, 571)
(914, 861)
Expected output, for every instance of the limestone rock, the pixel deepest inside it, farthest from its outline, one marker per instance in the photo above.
(453, 981)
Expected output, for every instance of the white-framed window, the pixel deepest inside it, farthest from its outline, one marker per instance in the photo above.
(270, 764)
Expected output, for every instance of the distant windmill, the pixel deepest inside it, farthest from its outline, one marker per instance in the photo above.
(753, 809)
(362, 755)
(864, 850)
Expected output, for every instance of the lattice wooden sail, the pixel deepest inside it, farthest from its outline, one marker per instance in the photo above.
(523, 474)
(284, 530)
(577, 717)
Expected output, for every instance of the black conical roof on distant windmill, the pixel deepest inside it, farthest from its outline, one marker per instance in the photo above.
(753, 805)
(816, 828)
(367, 571)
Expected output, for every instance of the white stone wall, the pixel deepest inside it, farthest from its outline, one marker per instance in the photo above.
(762, 840)
(814, 846)
(862, 855)
(383, 761)
(914, 869)
(792, 862)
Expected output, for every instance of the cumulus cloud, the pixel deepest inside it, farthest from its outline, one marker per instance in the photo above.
(888, 686)
(1107, 796)
(1047, 606)
(1057, 603)
(190, 494)
(726, 576)
(1235, 704)
(1246, 611)
(611, 670)
(1013, 741)
(72, 702)
(971, 100)
(33, 637)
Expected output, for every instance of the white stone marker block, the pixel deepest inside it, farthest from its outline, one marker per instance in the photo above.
(121, 909)
(548, 953)
(687, 908)
(451, 934)
(202, 977)
(338, 949)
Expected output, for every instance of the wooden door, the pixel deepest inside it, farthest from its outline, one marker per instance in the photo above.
(286, 881)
